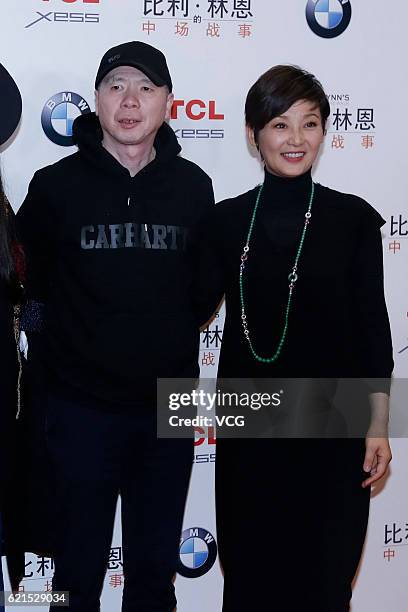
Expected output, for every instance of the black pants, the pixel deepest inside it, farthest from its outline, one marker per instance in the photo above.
(291, 522)
(96, 455)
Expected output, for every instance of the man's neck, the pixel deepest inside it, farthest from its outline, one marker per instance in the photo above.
(132, 157)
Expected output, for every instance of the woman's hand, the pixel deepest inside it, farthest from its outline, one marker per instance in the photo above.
(377, 457)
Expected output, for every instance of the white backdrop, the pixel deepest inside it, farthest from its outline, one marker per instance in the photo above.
(53, 46)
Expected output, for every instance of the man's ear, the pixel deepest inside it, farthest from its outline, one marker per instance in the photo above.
(169, 104)
(96, 101)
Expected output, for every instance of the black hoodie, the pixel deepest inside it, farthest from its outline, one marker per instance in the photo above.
(113, 259)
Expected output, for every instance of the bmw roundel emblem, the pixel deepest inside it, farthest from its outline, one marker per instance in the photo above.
(58, 115)
(198, 552)
(328, 18)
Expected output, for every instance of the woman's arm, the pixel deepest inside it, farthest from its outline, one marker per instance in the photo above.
(378, 452)
(374, 343)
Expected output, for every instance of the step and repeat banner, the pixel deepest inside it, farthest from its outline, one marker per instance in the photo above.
(215, 50)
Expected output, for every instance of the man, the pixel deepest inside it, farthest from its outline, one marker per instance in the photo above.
(107, 233)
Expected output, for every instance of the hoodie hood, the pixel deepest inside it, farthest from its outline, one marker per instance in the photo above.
(87, 135)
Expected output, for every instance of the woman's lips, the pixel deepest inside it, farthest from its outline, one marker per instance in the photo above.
(294, 157)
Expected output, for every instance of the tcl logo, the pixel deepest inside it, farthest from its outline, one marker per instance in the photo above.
(201, 435)
(196, 110)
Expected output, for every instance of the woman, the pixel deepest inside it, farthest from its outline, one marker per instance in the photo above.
(10, 290)
(302, 269)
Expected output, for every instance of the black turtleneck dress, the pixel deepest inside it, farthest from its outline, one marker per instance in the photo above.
(291, 513)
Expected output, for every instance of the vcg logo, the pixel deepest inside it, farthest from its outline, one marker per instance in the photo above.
(58, 115)
(198, 552)
(328, 18)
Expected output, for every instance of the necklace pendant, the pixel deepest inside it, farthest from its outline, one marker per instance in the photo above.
(293, 277)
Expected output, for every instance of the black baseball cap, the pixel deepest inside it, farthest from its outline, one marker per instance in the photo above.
(140, 55)
(10, 105)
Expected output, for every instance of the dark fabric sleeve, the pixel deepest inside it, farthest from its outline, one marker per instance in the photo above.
(372, 327)
(17, 254)
(208, 287)
(33, 223)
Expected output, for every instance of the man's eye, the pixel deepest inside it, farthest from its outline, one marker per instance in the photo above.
(279, 125)
(146, 88)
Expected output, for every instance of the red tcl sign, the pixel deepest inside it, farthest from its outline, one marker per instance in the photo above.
(201, 435)
(196, 110)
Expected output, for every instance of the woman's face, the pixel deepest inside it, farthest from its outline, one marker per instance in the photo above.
(289, 144)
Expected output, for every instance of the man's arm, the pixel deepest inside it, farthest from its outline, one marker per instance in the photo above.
(208, 274)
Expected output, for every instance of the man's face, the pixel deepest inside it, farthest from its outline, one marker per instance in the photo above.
(130, 107)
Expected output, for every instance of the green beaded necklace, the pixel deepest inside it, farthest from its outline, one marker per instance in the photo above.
(292, 279)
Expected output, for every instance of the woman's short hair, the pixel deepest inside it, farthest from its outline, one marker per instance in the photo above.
(276, 90)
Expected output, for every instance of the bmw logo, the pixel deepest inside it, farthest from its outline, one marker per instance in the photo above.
(198, 552)
(59, 114)
(328, 18)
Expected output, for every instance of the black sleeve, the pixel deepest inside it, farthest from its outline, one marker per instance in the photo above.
(33, 221)
(208, 284)
(372, 327)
